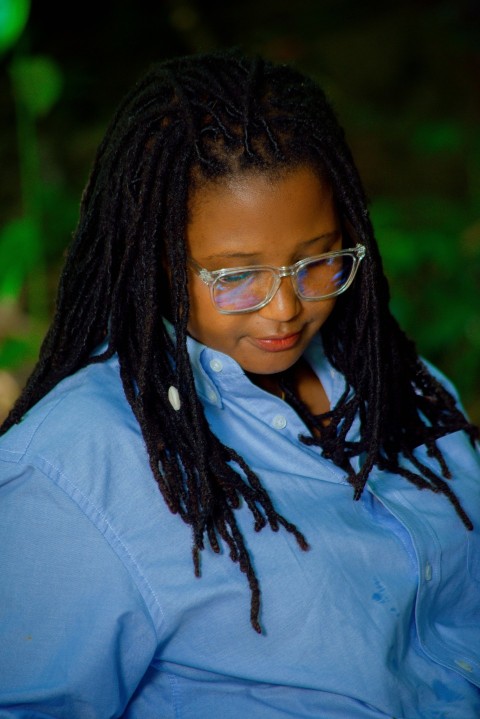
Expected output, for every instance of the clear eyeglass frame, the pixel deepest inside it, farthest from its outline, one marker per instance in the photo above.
(357, 253)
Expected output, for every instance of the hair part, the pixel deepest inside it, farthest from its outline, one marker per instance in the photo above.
(196, 120)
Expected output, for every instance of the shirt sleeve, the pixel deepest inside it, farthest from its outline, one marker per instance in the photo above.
(76, 637)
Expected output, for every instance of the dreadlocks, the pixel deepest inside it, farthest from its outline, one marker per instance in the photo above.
(189, 121)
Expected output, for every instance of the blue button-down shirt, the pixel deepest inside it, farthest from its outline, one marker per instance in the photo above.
(101, 614)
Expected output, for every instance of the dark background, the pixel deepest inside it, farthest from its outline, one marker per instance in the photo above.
(403, 77)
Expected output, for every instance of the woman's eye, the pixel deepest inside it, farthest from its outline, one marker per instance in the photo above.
(236, 278)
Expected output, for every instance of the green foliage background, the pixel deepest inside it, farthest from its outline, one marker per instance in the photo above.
(404, 78)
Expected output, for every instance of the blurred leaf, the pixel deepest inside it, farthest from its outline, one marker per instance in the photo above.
(14, 351)
(19, 252)
(13, 18)
(38, 83)
(435, 137)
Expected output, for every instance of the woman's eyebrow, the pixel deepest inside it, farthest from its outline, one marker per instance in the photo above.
(327, 237)
(252, 255)
(232, 256)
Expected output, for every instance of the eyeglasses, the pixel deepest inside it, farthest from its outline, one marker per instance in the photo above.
(246, 289)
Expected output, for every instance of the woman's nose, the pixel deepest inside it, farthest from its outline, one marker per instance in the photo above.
(285, 304)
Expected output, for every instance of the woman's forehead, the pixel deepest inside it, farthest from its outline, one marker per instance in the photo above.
(251, 214)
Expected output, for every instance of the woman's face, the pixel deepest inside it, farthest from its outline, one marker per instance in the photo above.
(252, 219)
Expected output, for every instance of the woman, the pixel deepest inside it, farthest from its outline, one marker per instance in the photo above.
(223, 335)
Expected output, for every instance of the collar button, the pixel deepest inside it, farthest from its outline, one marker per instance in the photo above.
(279, 421)
(216, 365)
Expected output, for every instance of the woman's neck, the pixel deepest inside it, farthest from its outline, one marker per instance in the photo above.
(302, 380)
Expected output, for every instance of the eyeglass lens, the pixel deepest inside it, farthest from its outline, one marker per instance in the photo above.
(250, 288)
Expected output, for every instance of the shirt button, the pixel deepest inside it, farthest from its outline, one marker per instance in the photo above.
(216, 365)
(428, 571)
(212, 396)
(279, 421)
(464, 665)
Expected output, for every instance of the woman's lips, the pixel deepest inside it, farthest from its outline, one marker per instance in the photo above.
(276, 344)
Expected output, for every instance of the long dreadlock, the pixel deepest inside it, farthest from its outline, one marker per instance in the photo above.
(194, 120)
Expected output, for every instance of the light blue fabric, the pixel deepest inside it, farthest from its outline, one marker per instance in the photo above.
(101, 615)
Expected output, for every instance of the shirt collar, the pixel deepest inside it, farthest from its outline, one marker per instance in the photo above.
(216, 373)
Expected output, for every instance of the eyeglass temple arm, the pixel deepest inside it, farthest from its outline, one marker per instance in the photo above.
(204, 274)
